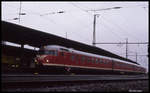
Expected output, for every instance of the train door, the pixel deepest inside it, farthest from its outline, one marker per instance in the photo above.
(62, 57)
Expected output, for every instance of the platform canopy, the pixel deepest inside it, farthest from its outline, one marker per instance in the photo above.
(22, 35)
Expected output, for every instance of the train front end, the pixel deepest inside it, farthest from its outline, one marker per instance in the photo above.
(46, 56)
(43, 57)
(40, 58)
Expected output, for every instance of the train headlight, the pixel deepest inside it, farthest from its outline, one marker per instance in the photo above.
(47, 60)
(35, 60)
(12, 65)
(17, 65)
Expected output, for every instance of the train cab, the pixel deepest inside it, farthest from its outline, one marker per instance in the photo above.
(46, 55)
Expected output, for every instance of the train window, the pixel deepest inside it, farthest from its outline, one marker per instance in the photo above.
(105, 61)
(62, 53)
(40, 52)
(51, 52)
(63, 49)
(101, 60)
(72, 57)
(82, 58)
(56, 53)
(85, 59)
(93, 60)
(120, 65)
(89, 59)
(77, 57)
(125, 65)
(96, 61)
(46, 52)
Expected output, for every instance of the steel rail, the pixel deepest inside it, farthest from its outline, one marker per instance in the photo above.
(50, 78)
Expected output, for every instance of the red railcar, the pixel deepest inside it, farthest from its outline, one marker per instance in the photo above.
(59, 60)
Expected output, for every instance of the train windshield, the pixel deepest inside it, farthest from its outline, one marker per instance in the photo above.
(48, 52)
(41, 52)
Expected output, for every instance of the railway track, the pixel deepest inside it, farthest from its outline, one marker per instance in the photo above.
(49, 78)
(16, 82)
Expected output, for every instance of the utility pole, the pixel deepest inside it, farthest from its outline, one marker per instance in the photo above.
(127, 48)
(148, 51)
(66, 35)
(19, 12)
(136, 56)
(94, 27)
(127, 45)
(19, 17)
(94, 23)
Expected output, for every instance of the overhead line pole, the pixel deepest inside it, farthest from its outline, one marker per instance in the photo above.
(136, 56)
(66, 35)
(19, 12)
(94, 36)
(94, 30)
(126, 45)
(127, 48)
(94, 23)
(94, 27)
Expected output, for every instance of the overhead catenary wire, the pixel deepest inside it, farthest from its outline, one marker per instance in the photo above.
(81, 8)
(74, 17)
(110, 29)
(120, 28)
(86, 10)
(52, 21)
(117, 24)
(113, 23)
(20, 12)
(33, 13)
(77, 7)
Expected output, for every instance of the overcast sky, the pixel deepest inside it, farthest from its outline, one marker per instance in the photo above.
(112, 25)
